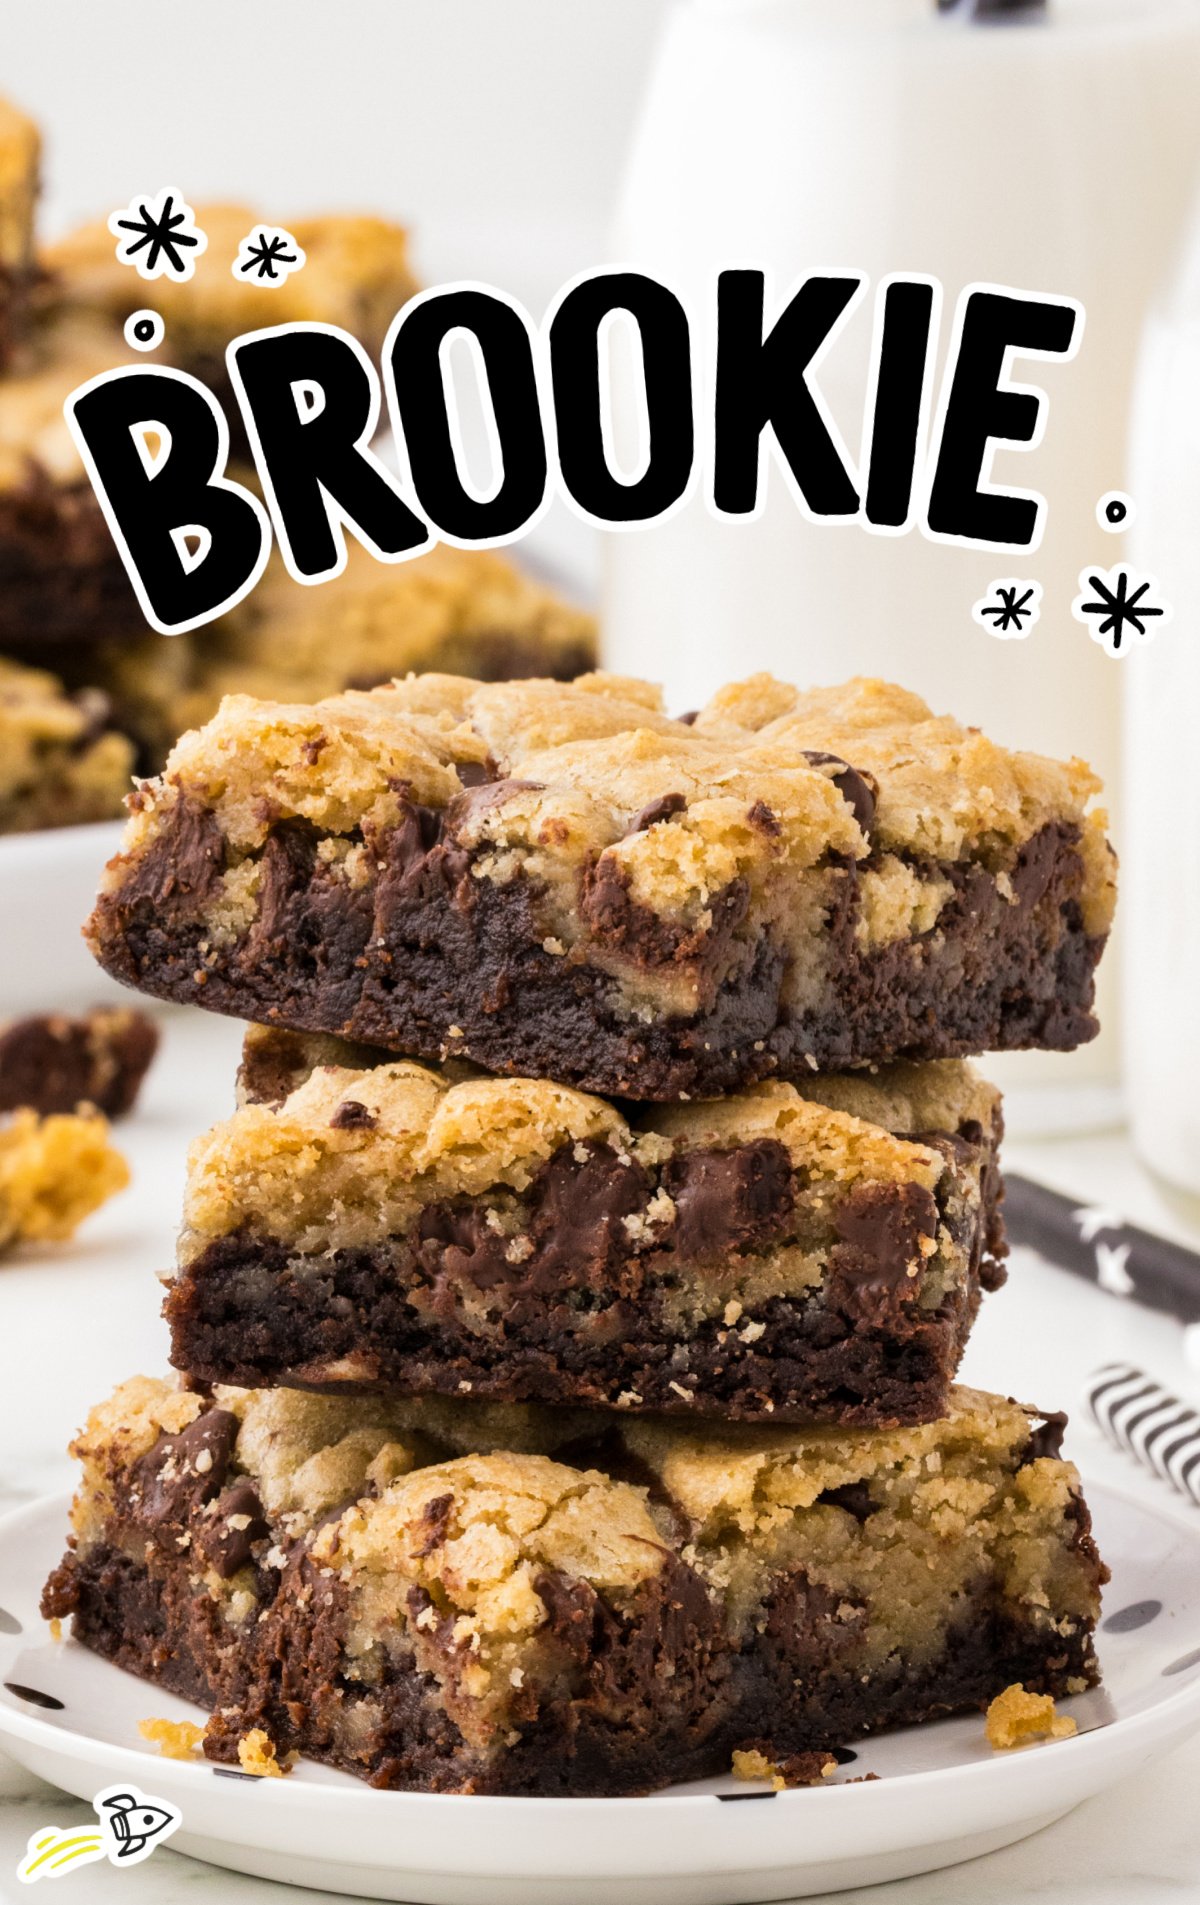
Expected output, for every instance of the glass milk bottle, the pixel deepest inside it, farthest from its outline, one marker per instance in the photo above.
(1050, 148)
(1160, 872)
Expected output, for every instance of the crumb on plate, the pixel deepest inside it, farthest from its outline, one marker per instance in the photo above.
(54, 1172)
(793, 1769)
(175, 1739)
(256, 1754)
(1016, 1717)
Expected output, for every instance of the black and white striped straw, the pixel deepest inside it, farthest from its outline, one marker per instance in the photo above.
(1138, 1415)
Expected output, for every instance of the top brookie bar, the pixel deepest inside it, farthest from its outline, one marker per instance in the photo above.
(773, 1255)
(20, 156)
(560, 880)
(452, 1598)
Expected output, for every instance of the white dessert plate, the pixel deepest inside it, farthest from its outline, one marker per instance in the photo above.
(941, 1794)
(48, 882)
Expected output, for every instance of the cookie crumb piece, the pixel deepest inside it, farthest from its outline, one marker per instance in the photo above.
(794, 1769)
(1016, 1717)
(175, 1739)
(54, 1172)
(256, 1754)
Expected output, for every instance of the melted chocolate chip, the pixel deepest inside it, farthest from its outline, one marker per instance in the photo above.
(570, 1611)
(765, 819)
(880, 1227)
(435, 1517)
(573, 1228)
(182, 1472)
(229, 1549)
(854, 1497)
(351, 1116)
(664, 808)
(473, 773)
(183, 864)
(488, 794)
(1047, 1438)
(858, 789)
(730, 1200)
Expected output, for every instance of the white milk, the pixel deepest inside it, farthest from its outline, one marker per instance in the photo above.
(1051, 152)
(1161, 873)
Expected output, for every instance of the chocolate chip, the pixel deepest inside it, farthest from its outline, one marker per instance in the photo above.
(664, 808)
(488, 794)
(737, 1199)
(765, 819)
(229, 1549)
(1047, 1438)
(858, 789)
(435, 1517)
(182, 865)
(571, 1607)
(473, 773)
(182, 1472)
(879, 1227)
(854, 1497)
(351, 1116)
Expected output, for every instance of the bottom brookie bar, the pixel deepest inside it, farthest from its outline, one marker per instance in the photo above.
(450, 1597)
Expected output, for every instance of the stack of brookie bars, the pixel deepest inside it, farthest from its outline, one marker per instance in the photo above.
(568, 1314)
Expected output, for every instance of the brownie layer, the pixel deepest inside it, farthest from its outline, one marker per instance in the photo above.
(425, 957)
(776, 1258)
(613, 1617)
(54, 1063)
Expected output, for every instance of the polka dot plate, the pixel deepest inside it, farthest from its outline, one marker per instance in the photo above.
(940, 1795)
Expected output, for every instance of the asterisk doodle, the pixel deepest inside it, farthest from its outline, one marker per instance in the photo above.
(1093, 1220)
(159, 236)
(270, 253)
(1010, 608)
(1111, 1273)
(1115, 601)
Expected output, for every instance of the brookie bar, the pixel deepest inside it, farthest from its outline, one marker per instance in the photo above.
(450, 1598)
(561, 881)
(61, 763)
(61, 578)
(51, 1061)
(814, 1257)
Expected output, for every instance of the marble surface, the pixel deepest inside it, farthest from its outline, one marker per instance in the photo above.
(77, 1319)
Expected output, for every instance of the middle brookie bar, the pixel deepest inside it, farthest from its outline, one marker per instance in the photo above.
(456, 1597)
(813, 1255)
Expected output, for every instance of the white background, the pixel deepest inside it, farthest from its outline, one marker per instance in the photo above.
(495, 121)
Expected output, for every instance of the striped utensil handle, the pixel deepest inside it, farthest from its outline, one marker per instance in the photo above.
(1138, 1415)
